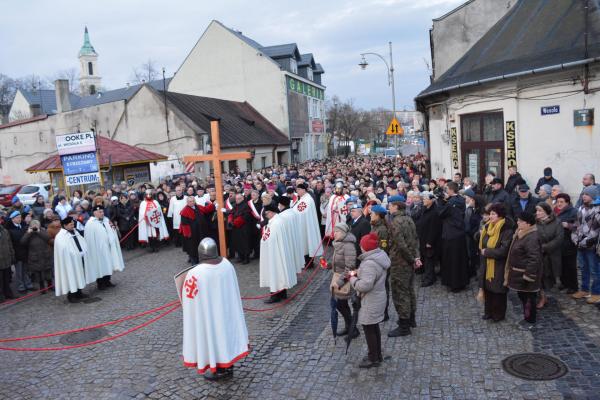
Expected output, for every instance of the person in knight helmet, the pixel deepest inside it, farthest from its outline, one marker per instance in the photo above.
(209, 290)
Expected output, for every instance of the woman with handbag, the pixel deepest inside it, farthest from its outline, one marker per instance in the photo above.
(369, 283)
(343, 261)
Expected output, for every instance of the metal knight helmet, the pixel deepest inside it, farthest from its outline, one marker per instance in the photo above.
(208, 248)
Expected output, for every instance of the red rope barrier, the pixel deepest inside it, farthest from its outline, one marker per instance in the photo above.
(134, 316)
(129, 233)
(103, 340)
(304, 269)
(286, 301)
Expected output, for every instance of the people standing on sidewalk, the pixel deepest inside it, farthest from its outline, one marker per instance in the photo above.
(585, 238)
(369, 283)
(343, 261)
(550, 232)
(523, 272)
(494, 244)
(429, 231)
(17, 229)
(567, 215)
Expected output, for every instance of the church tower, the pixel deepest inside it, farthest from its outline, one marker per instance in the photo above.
(89, 79)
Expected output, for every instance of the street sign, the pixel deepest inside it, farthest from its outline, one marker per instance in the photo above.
(83, 163)
(394, 128)
(549, 110)
(72, 143)
(82, 179)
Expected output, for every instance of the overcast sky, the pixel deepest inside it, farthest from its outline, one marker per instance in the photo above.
(42, 37)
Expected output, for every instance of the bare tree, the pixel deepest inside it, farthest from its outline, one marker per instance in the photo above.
(146, 72)
(72, 75)
(8, 88)
(32, 82)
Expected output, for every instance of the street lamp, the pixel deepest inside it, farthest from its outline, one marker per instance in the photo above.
(390, 69)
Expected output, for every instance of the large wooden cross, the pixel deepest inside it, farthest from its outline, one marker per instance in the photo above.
(216, 157)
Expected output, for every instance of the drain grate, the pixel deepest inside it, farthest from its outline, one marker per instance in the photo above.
(534, 366)
(84, 336)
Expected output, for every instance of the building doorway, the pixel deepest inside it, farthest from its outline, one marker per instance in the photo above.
(482, 145)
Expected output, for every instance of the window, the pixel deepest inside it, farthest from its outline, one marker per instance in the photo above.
(92, 89)
(309, 73)
(263, 162)
(293, 65)
(90, 68)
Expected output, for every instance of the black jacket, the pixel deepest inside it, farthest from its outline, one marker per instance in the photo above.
(452, 214)
(569, 215)
(16, 234)
(543, 181)
(498, 196)
(360, 228)
(429, 230)
(515, 206)
(512, 182)
(125, 217)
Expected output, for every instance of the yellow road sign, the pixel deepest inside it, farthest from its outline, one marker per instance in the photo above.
(394, 128)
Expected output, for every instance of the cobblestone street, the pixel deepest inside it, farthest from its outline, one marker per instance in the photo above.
(452, 354)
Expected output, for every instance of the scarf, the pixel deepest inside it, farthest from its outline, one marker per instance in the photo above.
(493, 232)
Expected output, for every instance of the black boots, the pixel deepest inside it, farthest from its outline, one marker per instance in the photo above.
(221, 373)
(403, 328)
(413, 320)
(276, 297)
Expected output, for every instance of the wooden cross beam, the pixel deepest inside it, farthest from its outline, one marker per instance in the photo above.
(216, 157)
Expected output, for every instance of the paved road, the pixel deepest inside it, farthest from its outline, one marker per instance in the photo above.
(453, 354)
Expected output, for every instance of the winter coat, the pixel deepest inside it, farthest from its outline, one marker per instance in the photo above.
(512, 182)
(515, 209)
(585, 237)
(499, 254)
(344, 254)
(452, 214)
(359, 228)
(370, 285)
(568, 215)
(381, 229)
(404, 243)
(550, 232)
(498, 196)
(543, 181)
(7, 252)
(472, 222)
(429, 231)
(38, 211)
(125, 217)
(524, 264)
(16, 234)
(38, 251)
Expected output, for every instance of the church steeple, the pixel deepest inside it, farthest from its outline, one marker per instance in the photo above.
(87, 48)
(89, 79)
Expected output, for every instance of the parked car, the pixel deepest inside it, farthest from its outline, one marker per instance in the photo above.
(28, 193)
(7, 192)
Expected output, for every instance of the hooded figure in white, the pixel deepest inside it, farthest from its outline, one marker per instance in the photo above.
(70, 259)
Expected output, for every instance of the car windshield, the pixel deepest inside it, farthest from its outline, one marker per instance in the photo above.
(7, 189)
(29, 189)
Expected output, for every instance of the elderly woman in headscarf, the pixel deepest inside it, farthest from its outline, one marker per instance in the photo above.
(494, 244)
(343, 261)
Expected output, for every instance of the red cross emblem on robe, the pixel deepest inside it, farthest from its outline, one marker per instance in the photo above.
(266, 234)
(191, 287)
(302, 206)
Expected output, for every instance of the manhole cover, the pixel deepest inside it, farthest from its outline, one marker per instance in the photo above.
(534, 366)
(84, 336)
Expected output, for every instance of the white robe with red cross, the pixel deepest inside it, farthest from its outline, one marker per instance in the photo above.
(310, 233)
(277, 269)
(335, 213)
(214, 329)
(155, 228)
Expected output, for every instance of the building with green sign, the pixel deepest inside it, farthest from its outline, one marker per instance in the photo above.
(281, 83)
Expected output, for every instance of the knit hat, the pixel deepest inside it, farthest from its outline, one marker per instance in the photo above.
(546, 188)
(342, 227)
(15, 199)
(397, 199)
(547, 171)
(369, 242)
(527, 217)
(591, 191)
(14, 214)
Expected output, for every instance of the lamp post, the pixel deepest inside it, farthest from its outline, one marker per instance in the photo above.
(390, 67)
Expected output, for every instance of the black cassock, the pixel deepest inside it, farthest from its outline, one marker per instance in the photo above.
(454, 261)
(193, 228)
(241, 221)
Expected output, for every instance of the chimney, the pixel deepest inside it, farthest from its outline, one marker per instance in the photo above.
(35, 110)
(63, 101)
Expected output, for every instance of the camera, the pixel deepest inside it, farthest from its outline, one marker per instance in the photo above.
(34, 229)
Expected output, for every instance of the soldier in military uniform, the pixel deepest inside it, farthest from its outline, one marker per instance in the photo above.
(380, 227)
(404, 254)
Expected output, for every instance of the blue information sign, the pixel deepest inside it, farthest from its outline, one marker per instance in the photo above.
(82, 163)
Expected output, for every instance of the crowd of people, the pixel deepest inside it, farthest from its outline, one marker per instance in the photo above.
(387, 220)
